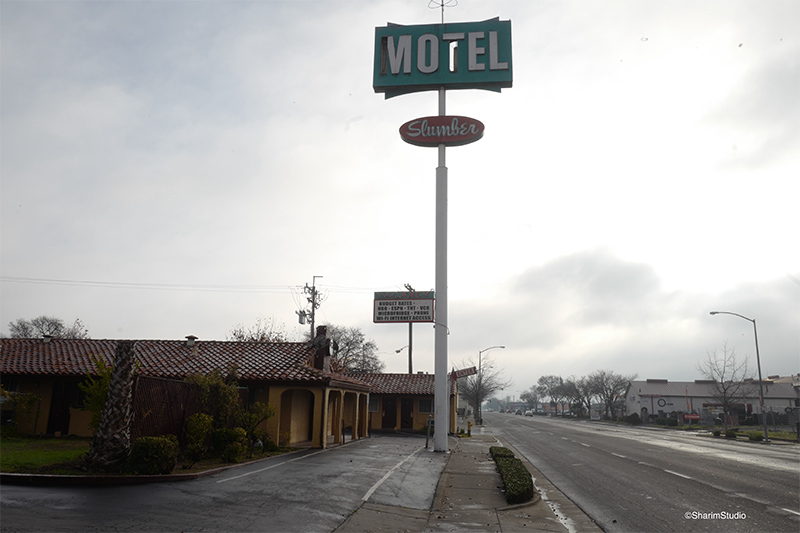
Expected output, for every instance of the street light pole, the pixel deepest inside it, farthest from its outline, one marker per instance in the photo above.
(758, 362)
(480, 383)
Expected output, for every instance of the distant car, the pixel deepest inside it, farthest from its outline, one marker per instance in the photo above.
(528, 413)
(519, 412)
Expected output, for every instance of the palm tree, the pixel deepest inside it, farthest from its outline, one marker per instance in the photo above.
(112, 440)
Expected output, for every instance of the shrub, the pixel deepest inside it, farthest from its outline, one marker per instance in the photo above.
(229, 444)
(95, 390)
(198, 427)
(250, 419)
(672, 421)
(730, 434)
(153, 455)
(517, 480)
(755, 436)
(717, 433)
(661, 421)
(634, 419)
(219, 396)
(500, 451)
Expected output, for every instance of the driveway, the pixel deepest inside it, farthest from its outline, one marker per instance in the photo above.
(310, 490)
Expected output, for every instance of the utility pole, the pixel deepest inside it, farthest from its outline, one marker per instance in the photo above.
(410, 335)
(313, 299)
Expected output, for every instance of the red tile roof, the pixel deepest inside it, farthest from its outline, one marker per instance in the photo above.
(407, 384)
(254, 361)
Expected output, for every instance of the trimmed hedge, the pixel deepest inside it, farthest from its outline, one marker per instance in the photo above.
(517, 480)
(500, 451)
(755, 436)
(153, 455)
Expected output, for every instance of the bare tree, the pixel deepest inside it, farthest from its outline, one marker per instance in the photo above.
(580, 392)
(531, 397)
(552, 387)
(264, 330)
(729, 376)
(47, 325)
(610, 388)
(352, 351)
(477, 388)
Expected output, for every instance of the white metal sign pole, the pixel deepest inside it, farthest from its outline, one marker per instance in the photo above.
(441, 384)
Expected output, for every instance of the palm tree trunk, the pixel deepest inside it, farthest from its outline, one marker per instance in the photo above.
(112, 440)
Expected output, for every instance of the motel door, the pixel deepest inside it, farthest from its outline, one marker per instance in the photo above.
(407, 413)
(389, 413)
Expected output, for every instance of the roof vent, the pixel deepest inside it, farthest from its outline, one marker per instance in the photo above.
(190, 340)
(47, 338)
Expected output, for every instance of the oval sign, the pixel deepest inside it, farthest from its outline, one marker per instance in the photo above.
(446, 130)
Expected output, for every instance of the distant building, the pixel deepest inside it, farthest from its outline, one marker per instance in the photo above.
(661, 398)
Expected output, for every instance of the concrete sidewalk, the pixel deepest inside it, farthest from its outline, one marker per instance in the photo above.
(469, 497)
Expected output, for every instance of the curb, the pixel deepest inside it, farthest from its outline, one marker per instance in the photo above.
(50, 480)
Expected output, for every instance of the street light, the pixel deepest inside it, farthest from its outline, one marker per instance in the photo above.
(480, 382)
(758, 361)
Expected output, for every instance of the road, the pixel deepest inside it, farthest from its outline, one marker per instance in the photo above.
(647, 479)
(311, 490)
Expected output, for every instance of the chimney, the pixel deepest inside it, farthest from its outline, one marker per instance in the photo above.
(322, 349)
(47, 338)
(191, 341)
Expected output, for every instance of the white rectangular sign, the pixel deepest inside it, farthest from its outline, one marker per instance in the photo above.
(403, 307)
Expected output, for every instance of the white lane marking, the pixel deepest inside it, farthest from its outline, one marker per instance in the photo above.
(583, 444)
(677, 474)
(618, 455)
(271, 466)
(389, 473)
(647, 464)
(789, 510)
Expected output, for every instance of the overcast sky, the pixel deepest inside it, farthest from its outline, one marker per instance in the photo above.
(179, 168)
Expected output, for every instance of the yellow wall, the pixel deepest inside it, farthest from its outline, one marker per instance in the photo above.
(298, 401)
(79, 421)
(420, 419)
(35, 422)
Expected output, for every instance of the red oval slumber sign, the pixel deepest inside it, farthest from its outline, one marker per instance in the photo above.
(446, 130)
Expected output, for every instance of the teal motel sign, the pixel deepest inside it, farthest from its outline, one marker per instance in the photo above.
(468, 55)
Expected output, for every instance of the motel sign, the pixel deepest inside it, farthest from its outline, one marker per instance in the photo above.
(470, 55)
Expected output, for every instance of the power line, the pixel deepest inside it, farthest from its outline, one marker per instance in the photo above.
(177, 286)
(147, 286)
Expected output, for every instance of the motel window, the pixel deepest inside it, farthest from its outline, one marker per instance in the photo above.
(425, 405)
(374, 405)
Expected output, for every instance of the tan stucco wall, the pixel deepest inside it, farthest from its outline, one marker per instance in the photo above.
(291, 412)
(419, 419)
(35, 423)
(79, 421)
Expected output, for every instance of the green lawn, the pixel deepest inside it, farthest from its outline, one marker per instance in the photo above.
(64, 456)
(39, 455)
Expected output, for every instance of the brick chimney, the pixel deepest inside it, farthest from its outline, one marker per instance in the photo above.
(322, 349)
